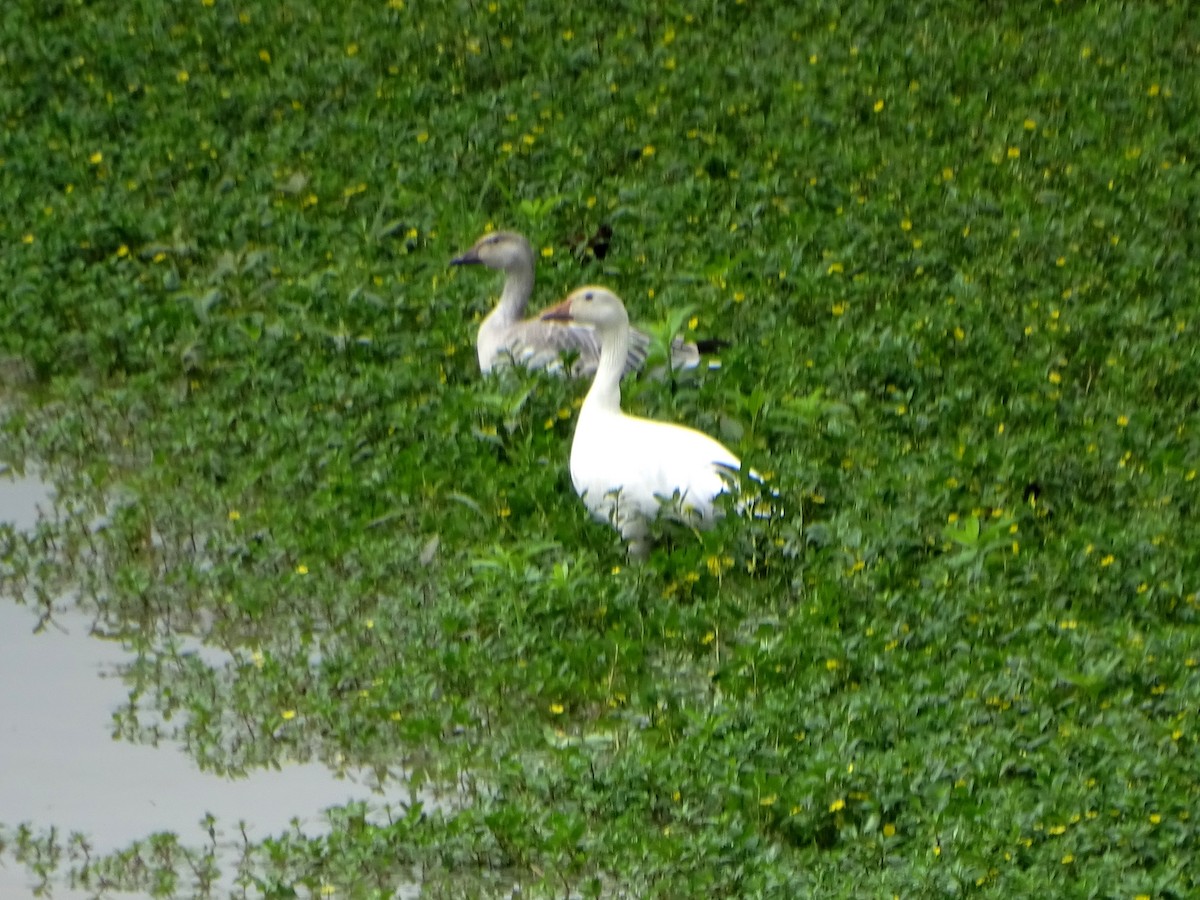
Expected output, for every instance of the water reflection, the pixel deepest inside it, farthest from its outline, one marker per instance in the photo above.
(61, 767)
(22, 499)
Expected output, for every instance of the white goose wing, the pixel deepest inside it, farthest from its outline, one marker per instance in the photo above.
(648, 462)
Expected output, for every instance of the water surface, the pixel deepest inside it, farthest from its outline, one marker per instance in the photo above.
(60, 766)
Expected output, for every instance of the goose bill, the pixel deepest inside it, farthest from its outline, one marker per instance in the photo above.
(560, 312)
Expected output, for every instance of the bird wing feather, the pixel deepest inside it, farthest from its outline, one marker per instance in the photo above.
(539, 344)
(647, 463)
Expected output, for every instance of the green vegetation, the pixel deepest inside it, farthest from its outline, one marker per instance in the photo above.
(956, 248)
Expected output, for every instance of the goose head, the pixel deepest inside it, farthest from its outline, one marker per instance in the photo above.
(502, 250)
(591, 305)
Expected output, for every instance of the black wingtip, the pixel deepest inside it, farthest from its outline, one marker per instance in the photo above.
(712, 345)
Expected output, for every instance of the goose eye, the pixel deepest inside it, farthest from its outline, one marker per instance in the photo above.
(587, 296)
(494, 239)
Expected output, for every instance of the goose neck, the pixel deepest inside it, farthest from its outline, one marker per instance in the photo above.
(518, 288)
(605, 393)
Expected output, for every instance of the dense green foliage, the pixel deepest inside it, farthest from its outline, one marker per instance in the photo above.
(955, 247)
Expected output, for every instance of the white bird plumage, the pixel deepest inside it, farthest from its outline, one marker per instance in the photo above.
(629, 470)
(506, 336)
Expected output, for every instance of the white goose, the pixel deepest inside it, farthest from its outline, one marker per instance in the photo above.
(505, 336)
(628, 470)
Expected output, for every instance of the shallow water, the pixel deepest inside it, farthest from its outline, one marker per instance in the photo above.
(21, 499)
(60, 766)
